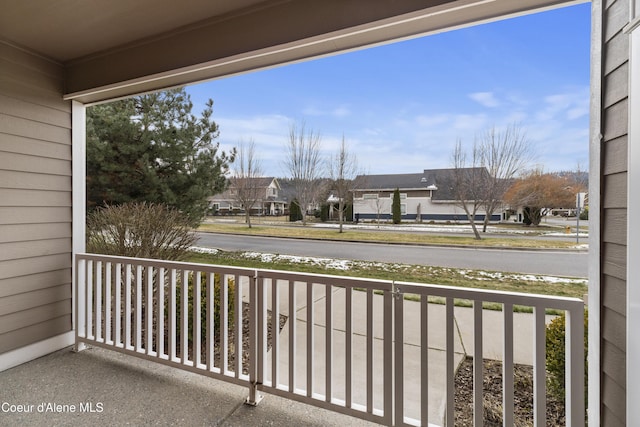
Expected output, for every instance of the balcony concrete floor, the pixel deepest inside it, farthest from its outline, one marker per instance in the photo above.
(137, 392)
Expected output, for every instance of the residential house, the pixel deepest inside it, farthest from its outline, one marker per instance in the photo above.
(55, 61)
(426, 196)
(268, 200)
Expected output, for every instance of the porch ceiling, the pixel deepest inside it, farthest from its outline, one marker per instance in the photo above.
(121, 47)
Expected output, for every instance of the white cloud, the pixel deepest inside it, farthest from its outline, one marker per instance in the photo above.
(486, 99)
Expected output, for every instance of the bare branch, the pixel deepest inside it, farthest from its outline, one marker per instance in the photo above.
(303, 163)
(245, 183)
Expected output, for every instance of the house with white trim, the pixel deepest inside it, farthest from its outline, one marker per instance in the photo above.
(426, 196)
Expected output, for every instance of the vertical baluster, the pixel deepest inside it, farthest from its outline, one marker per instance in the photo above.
(398, 337)
(107, 302)
(98, 301)
(275, 323)
(292, 336)
(89, 299)
(197, 322)
(127, 307)
(310, 339)
(184, 317)
(478, 364)
(138, 308)
(172, 315)
(328, 341)
(160, 313)
(238, 324)
(149, 312)
(450, 368)
(369, 351)
(211, 339)
(118, 313)
(348, 338)
(507, 366)
(424, 360)
(539, 370)
(224, 325)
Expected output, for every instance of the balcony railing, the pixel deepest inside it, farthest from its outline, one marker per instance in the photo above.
(356, 346)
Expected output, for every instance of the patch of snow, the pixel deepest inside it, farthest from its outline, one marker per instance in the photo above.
(201, 250)
(345, 265)
(444, 228)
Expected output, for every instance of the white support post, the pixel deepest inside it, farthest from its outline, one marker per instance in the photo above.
(78, 182)
(595, 171)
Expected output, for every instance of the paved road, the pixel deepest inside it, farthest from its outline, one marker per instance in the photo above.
(573, 264)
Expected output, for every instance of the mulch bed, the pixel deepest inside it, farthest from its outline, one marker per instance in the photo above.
(492, 396)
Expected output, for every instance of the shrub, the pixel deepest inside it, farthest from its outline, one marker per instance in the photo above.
(295, 213)
(555, 355)
(203, 305)
(140, 230)
(584, 215)
(324, 213)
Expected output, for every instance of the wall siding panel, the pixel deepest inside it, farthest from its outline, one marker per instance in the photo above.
(615, 156)
(616, 297)
(35, 200)
(34, 282)
(613, 356)
(34, 333)
(34, 214)
(21, 309)
(35, 315)
(613, 225)
(613, 328)
(617, 232)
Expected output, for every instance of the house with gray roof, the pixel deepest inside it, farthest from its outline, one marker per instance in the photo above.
(269, 202)
(426, 196)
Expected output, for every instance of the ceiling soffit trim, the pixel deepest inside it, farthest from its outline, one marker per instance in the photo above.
(98, 79)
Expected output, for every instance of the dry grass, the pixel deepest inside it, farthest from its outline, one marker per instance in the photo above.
(479, 279)
(298, 231)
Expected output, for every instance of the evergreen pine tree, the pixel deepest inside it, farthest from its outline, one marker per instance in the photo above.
(396, 211)
(153, 149)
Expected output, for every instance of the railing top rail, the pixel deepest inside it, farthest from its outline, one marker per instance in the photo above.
(326, 278)
(487, 295)
(169, 264)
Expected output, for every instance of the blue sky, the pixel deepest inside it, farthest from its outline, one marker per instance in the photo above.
(401, 107)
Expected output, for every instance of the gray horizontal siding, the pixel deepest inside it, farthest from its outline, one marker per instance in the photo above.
(35, 200)
(613, 284)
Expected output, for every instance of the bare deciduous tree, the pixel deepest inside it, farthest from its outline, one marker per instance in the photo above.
(496, 158)
(246, 179)
(469, 180)
(343, 169)
(505, 154)
(303, 163)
